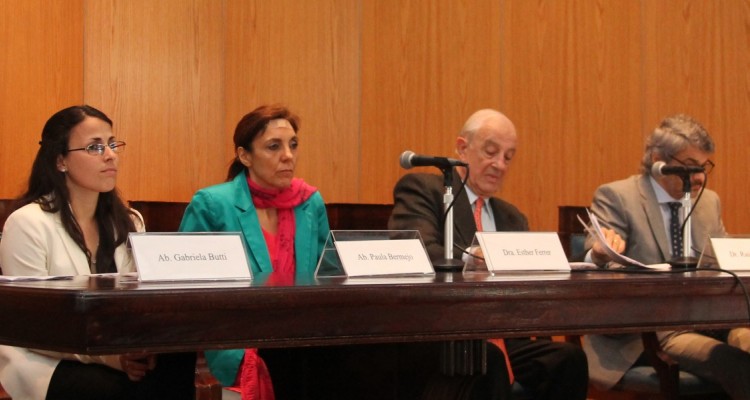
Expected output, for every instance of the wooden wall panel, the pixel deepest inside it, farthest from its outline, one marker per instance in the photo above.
(696, 62)
(584, 81)
(156, 68)
(426, 66)
(41, 72)
(304, 54)
(571, 84)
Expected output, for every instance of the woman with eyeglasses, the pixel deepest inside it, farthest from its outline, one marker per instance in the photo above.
(71, 221)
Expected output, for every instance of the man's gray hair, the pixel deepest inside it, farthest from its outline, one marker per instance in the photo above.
(674, 134)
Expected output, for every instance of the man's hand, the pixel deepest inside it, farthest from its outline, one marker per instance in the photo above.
(598, 253)
(476, 256)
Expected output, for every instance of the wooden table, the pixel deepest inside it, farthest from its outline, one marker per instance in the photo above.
(101, 315)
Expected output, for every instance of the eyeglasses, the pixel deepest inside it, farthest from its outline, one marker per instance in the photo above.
(97, 149)
(708, 166)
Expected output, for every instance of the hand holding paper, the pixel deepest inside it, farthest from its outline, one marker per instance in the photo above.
(612, 244)
(612, 240)
(608, 243)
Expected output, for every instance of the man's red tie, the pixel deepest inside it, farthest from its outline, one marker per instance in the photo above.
(500, 343)
(478, 204)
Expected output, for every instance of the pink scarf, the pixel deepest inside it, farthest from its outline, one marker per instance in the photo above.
(254, 379)
(284, 201)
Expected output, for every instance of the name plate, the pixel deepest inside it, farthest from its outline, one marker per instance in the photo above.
(189, 256)
(522, 251)
(383, 257)
(732, 253)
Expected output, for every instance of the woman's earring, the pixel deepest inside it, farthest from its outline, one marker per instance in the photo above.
(63, 170)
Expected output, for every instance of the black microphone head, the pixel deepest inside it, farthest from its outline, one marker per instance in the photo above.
(656, 169)
(660, 169)
(405, 159)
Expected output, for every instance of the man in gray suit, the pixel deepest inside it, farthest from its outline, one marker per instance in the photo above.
(487, 143)
(637, 215)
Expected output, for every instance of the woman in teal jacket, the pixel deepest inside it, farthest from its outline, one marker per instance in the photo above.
(228, 207)
(282, 219)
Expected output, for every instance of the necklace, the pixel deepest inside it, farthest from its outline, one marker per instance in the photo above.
(91, 254)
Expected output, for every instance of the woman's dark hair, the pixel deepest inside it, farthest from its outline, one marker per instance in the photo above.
(254, 124)
(47, 188)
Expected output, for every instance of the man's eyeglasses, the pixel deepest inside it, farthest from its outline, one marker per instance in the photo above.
(97, 149)
(708, 166)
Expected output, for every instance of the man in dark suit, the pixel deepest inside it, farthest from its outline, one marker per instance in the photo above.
(487, 143)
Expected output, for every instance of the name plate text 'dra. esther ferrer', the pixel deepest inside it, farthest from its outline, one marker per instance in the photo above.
(190, 256)
(522, 251)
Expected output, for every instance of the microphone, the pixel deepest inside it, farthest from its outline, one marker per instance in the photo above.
(409, 160)
(660, 169)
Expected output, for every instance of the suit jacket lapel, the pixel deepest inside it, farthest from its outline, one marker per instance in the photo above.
(464, 227)
(701, 225)
(250, 225)
(76, 257)
(502, 219)
(698, 232)
(305, 240)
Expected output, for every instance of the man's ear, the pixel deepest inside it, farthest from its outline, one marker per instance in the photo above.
(461, 145)
(656, 157)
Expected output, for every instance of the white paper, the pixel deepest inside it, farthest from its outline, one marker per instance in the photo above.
(583, 266)
(595, 230)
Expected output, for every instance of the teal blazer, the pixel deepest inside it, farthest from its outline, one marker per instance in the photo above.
(228, 207)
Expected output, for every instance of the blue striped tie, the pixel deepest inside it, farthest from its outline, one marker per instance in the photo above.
(674, 228)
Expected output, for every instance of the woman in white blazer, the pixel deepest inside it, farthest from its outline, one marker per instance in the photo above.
(71, 221)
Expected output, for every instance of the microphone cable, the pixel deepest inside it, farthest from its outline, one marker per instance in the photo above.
(639, 270)
(455, 197)
(739, 282)
(463, 250)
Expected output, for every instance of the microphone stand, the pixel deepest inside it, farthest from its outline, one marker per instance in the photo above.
(686, 260)
(448, 264)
